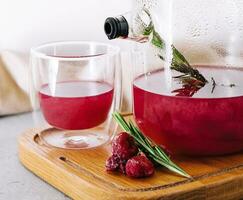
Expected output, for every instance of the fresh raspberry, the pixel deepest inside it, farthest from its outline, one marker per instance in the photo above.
(112, 163)
(139, 166)
(122, 166)
(124, 146)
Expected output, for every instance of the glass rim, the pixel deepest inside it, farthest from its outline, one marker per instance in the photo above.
(36, 50)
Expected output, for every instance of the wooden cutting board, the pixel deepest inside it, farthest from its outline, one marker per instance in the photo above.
(81, 174)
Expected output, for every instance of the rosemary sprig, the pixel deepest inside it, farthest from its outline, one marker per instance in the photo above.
(153, 151)
(179, 62)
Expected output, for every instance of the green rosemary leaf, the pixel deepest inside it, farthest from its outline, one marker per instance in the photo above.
(157, 40)
(148, 30)
(140, 140)
(162, 153)
(136, 133)
(179, 57)
(154, 152)
(172, 168)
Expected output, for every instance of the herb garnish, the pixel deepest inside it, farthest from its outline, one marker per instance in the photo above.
(153, 151)
(179, 62)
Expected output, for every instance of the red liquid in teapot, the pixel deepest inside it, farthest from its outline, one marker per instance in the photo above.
(209, 123)
(76, 105)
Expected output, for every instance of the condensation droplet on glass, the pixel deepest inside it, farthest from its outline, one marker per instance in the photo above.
(148, 4)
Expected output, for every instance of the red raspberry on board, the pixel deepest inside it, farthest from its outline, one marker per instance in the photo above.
(124, 146)
(139, 166)
(122, 166)
(112, 163)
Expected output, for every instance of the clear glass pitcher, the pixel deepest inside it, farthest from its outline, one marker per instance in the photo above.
(188, 75)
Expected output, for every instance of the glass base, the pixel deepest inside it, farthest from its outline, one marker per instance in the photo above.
(76, 139)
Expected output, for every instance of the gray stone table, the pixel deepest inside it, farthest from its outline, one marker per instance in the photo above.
(16, 182)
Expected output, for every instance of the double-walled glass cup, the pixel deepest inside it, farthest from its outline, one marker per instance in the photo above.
(77, 86)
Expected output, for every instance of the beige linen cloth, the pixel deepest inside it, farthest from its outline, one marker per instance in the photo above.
(14, 83)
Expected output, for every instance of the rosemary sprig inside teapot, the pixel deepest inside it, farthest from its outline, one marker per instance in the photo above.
(179, 63)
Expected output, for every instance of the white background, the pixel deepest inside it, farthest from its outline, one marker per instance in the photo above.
(27, 23)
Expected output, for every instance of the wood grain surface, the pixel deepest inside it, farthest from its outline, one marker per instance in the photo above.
(80, 174)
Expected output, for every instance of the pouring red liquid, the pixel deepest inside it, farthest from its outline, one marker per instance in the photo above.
(208, 123)
(76, 105)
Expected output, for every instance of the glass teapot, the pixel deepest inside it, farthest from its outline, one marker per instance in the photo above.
(188, 76)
